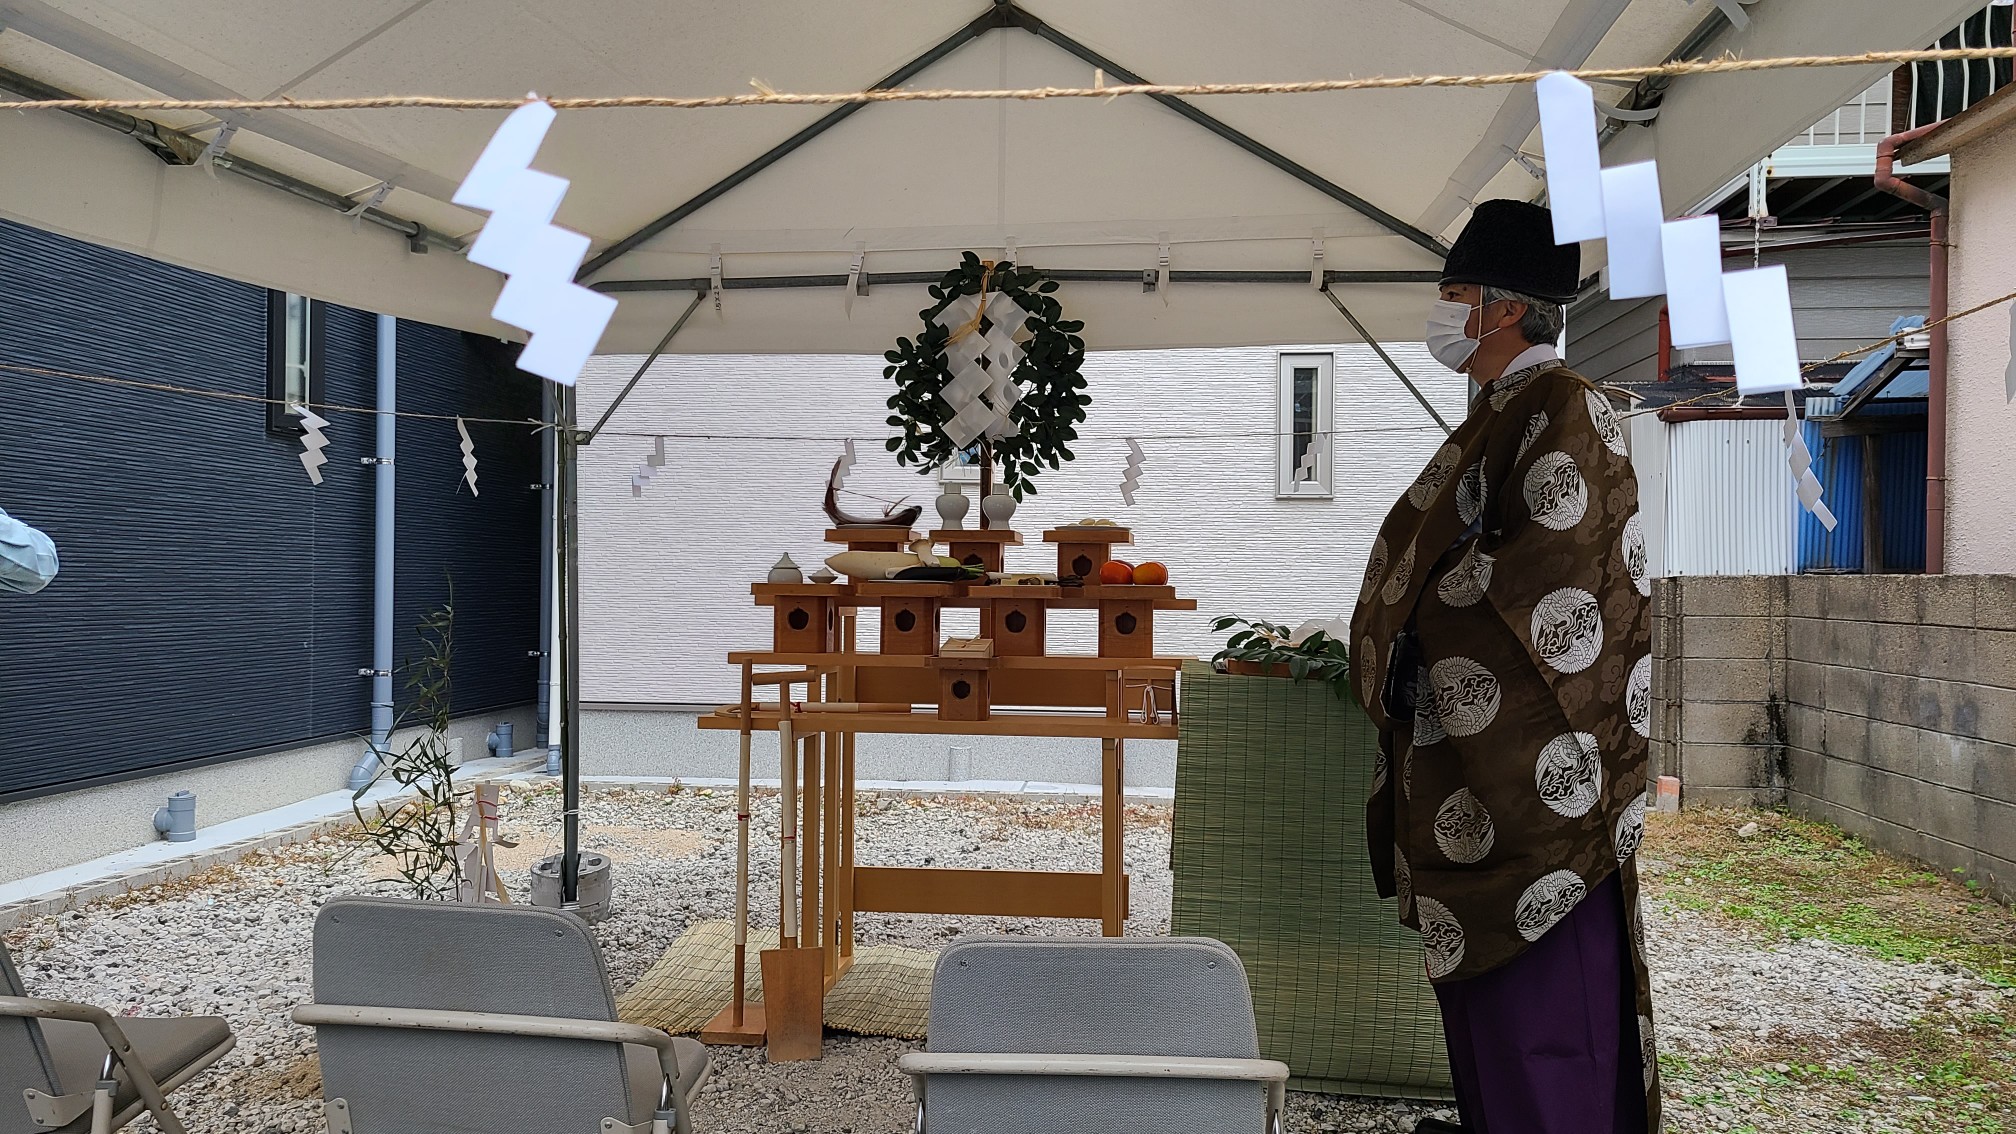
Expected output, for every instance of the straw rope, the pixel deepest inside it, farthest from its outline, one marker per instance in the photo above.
(764, 96)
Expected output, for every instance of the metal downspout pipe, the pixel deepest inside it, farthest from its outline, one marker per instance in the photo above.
(383, 521)
(1935, 402)
(549, 736)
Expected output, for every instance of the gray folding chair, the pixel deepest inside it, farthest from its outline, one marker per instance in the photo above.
(76, 1068)
(445, 1018)
(1077, 1035)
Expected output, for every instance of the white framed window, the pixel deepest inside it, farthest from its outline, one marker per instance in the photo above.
(1306, 448)
(293, 359)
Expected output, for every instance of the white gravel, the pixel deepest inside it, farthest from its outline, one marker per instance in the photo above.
(236, 943)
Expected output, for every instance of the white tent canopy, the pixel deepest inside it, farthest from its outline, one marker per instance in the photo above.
(1373, 179)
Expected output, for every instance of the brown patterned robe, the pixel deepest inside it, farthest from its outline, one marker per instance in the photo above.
(1519, 559)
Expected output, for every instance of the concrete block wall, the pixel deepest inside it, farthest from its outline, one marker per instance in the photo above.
(1901, 715)
(1883, 704)
(1718, 688)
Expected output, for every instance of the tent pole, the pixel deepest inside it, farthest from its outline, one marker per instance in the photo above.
(1387, 359)
(570, 650)
(653, 357)
(1045, 31)
(994, 17)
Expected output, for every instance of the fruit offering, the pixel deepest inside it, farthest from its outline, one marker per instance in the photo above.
(1151, 574)
(1116, 572)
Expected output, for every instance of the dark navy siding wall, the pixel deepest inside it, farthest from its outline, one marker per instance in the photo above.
(212, 601)
(487, 544)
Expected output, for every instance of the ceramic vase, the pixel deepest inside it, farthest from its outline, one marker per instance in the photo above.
(786, 572)
(998, 509)
(952, 507)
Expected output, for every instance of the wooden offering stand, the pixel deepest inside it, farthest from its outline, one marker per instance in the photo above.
(920, 684)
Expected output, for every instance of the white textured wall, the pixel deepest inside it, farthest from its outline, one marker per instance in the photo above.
(665, 577)
(1980, 461)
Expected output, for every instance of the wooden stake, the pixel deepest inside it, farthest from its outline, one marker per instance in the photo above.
(741, 1022)
(794, 993)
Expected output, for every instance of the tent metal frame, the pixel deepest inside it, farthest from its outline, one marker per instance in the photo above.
(1002, 15)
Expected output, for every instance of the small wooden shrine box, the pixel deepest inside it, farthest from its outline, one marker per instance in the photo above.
(1082, 551)
(985, 548)
(1015, 619)
(1127, 619)
(909, 614)
(963, 665)
(804, 616)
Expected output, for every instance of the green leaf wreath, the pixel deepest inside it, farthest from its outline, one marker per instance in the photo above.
(1053, 391)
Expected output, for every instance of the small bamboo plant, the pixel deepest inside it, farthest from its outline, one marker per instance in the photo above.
(420, 834)
(1304, 653)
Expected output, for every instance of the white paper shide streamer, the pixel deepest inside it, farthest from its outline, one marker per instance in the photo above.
(641, 479)
(312, 442)
(1305, 469)
(1130, 477)
(468, 456)
(1682, 259)
(846, 464)
(1805, 484)
(537, 257)
(1574, 164)
(981, 396)
(1697, 313)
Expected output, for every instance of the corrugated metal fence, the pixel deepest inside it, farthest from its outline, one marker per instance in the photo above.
(1728, 499)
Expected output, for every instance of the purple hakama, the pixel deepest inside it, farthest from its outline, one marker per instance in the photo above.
(1548, 1043)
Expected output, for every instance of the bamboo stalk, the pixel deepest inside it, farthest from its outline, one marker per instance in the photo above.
(845, 860)
(787, 857)
(742, 856)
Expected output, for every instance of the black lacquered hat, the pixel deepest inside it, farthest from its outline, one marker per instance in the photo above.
(1510, 245)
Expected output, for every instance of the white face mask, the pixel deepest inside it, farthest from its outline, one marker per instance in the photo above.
(1447, 341)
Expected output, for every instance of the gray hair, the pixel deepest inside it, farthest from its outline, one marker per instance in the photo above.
(1543, 320)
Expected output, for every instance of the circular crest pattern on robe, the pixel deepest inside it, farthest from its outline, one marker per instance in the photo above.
(1470, 494)
(1648, 1049)
(1432, 478)
(1568, 629)
(1466, 695)
(1403, 574)
(1428, 726)
(1547, 901)
(1569, 774)
(1535, 426)
(1463, 830)
(1638, 697)
(1375, 570)
(1441, 936)
(1631, 829)
(1607, 427)
(1368, 673)
(1511, 386)
(1403, 881)
(1466, 583)
(1556, 494)
(1637, 560)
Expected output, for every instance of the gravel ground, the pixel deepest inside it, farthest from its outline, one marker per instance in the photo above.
(235, 942)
